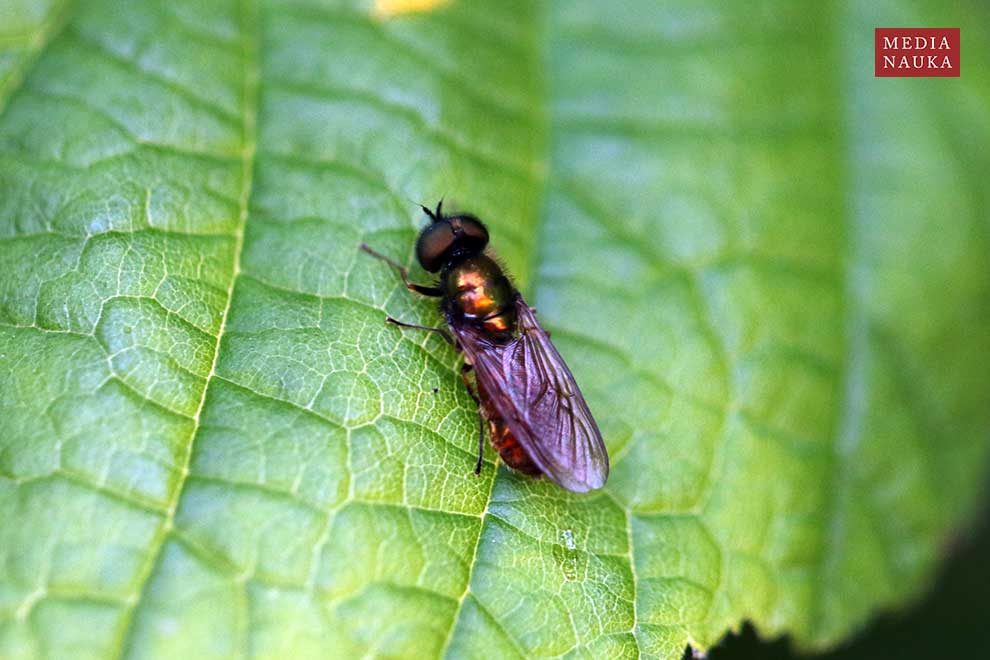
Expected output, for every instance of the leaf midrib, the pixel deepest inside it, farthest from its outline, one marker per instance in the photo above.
(543, 166)
(250, 41)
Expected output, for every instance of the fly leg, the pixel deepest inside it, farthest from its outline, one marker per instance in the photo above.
(431, 291)
(481, 443)
(465, 370)
(440, 331)
(412, 286)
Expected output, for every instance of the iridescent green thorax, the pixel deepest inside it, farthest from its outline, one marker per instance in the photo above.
(480, 292)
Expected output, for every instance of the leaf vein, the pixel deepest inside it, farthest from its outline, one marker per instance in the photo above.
(251, 74)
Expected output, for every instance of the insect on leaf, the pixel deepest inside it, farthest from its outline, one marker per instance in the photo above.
(766, 268)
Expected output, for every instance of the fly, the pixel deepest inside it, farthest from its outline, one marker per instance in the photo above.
(538, 420)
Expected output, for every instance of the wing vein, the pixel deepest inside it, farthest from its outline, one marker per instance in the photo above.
(535, 393)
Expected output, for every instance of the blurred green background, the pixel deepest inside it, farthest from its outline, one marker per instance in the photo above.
(948, 622)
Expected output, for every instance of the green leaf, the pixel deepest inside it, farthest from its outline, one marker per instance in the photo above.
(767, 269)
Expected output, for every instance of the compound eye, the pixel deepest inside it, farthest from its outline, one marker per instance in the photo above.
(433, 243)
(472, 235)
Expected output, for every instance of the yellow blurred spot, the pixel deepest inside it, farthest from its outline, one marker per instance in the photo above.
(389, 8)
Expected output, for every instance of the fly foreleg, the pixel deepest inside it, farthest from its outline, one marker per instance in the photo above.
(431, 291)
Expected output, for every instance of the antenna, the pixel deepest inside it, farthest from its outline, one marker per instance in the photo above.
(429, 213)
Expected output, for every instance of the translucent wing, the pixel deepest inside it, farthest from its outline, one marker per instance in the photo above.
(535, 393)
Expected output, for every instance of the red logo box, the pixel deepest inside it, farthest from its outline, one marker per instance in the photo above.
(916, 52)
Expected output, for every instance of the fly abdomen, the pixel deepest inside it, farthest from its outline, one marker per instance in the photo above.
(514, 455)
(509, 448)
